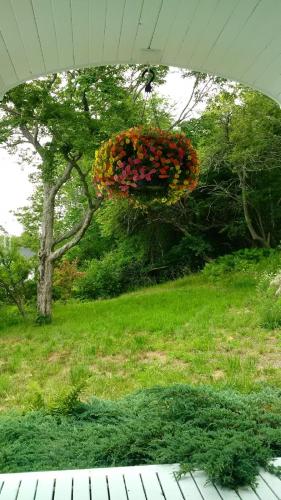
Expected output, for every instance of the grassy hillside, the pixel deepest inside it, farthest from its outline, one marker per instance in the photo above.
(187, 331)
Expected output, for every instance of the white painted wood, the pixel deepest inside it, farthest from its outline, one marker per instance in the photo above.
(237, 39)
(134, 486)
(9, 489)
(99, 486)
(13, 41)
(210, 36)
(147, 23)
(81, 487)
(113, 29)
(22, 486)
(116, 486)
(206, 488)
(63, 28)
(169, 484)
(151, 485)
(164, 23)
(63, 487)
(24, 16)
(8, 76)
(182, 21)
(263, 491)
(189, 488)
(227, 493)
(197, 29)
(248, 494)
(45, 487)
(273, 481)
(97, 16)
(256, 33)
(131, 19)
(27, 489)
(46, 28)
(80, 26)
(218, 54)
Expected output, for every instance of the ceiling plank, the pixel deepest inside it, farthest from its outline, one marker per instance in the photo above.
(147, 23)
(7, 70)
(63, 29)
(113, 29)
(196, 30)
(29, 34)
(182, 20)
(131, 19)
(211, 33)
(164, 23)
(251, 39)
(219, 53)
(47, 33)
(97, 16)
(80, 24)
(13, 42)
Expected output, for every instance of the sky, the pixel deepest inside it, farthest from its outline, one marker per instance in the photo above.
(15, 187)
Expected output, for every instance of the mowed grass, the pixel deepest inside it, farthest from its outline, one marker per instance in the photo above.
(186, 331)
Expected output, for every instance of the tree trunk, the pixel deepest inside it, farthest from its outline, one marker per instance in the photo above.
(45, 279)
(261, 240)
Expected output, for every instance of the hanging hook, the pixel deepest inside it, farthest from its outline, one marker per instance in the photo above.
(148, 86)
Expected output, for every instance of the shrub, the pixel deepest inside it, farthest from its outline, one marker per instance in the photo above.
(270, 301)
(224, 433)
(246, 260)
(66, 275)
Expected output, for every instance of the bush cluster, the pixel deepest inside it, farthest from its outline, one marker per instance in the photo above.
(227, 434)
(246, 260)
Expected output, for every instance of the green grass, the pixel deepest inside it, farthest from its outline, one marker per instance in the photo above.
(186, 331)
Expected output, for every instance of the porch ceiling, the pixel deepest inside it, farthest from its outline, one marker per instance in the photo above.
(237, 39)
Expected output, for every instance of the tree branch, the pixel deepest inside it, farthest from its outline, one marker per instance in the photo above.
(69, 233)
(62, 179)
(80, 233)
(79, 229)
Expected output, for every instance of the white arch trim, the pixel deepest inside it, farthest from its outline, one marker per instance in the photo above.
(236, 39)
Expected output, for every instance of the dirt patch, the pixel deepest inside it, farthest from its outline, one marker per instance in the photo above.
(218, 375)
(58, 356)
(270, 361)
(162, 358)
(154, 356)
(113, 358)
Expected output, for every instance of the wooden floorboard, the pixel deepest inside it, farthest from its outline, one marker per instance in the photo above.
(149, 482)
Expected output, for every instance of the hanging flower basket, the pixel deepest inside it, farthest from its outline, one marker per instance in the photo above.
(146, 165)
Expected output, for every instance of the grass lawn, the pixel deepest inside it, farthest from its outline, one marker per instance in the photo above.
(186, 331)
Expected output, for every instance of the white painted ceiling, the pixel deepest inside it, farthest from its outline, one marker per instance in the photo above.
(237, 39)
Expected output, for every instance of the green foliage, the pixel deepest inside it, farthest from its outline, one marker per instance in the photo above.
(270, 314)
(14, 274)
(240, 149)
(117, 272)
(228, 435)
(270, 301)
(243, 261)
(65, 276)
